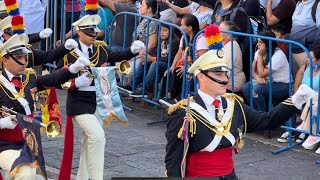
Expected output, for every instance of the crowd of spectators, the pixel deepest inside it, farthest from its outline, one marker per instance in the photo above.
(294, 20)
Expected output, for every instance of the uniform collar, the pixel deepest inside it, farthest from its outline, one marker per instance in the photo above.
(10, 75)
(208, 100)
(84, 48)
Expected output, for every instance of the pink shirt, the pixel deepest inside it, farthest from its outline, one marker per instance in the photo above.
(77, 6)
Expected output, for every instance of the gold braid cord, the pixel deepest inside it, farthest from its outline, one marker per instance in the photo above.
(212, 126)
(28, 72)
(239, 100)
(94, 59)
(100, 43)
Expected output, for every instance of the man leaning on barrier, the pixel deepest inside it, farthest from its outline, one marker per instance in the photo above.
(217, 122)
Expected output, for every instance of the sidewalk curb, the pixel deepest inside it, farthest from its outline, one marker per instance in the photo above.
(273, 142)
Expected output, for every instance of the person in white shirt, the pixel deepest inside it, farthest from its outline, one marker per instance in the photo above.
(261, 69)
(33, 12)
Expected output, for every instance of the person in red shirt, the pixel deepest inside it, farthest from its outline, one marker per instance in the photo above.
(279, 31)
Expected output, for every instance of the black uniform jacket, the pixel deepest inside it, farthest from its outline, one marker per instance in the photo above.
(33, 38)
(84, 102)
(39, 57)
(40, 82)
(256, 120)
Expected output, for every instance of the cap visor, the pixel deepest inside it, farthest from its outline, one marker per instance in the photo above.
(91, 30)
(219, 69)
(21, 50)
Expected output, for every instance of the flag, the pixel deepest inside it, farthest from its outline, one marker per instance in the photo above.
(47, 107)
(109, 104)
(31, 153)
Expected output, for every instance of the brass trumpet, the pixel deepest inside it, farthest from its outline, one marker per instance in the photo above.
(124, 67)
(52, 128)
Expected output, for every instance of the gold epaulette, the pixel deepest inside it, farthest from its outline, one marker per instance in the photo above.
(30, 71)
(232, 95)
(101, 43)
(65, 59)
(179, 104)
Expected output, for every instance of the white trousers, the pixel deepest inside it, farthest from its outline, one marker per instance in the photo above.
(25, 172)
(92, 147)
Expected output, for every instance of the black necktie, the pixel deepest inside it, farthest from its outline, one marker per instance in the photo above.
(90, 53)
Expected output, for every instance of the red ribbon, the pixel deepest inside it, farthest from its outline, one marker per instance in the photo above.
(66, 163)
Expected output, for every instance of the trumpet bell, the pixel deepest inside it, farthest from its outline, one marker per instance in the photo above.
(124, 67)
(52, 129)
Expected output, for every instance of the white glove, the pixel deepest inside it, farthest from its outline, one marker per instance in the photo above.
(81, 63)
(303, 94)
(83, 80)
(6, 123)
(71, 44)
(137, 46)
(45, 33)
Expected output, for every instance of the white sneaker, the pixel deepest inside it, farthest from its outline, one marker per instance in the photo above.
(318, 151)
(285, 137)
(311, 142)
(301, 138)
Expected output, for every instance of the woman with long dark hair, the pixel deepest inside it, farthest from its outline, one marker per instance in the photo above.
(261, 77)
(146, 31)
(190, 25)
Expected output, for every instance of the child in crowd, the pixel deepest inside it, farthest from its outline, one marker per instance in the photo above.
(160, 63)
(279, 31)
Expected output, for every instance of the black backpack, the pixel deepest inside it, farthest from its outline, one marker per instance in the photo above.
(314, 10)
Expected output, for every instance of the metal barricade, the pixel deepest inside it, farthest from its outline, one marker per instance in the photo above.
(160, 22)
(289, 127)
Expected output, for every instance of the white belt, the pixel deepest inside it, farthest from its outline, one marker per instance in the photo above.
(87, 88)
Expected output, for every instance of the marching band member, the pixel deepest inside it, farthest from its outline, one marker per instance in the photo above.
(37, 56)
(217, 122)
(81, 99)
(17, 84)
